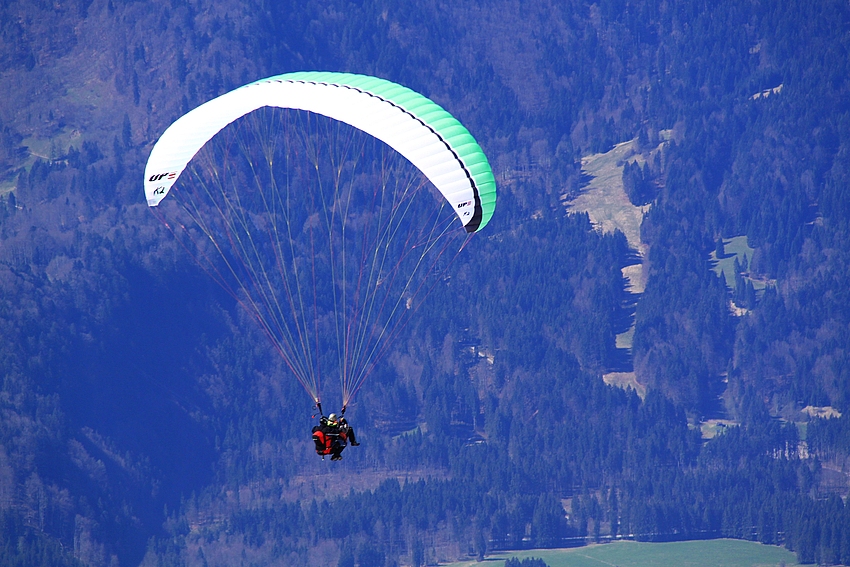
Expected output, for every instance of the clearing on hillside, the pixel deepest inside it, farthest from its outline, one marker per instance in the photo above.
(735, 248)
(606, 203)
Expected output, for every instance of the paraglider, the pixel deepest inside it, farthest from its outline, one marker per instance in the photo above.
(332, 435)
(327, 204)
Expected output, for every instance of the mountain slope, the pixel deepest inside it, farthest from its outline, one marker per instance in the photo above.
(145, 419)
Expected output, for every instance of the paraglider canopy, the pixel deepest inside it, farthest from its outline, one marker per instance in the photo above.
(310, 198)
(419, 129)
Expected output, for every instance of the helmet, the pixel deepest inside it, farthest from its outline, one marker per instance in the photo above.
(332, 418)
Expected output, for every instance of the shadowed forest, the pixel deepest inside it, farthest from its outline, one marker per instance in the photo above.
(145, 420)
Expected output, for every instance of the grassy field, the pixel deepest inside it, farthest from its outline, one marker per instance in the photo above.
(625, 380)
(711, 428)
(41, 148)
(710, 553)
(735, 248)
(604, 199)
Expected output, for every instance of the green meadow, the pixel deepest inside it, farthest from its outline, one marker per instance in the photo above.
(704, 553)
(736, 248)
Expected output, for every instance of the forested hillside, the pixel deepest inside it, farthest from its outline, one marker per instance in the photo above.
(145, 420)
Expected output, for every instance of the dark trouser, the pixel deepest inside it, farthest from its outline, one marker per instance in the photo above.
(337, 447)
